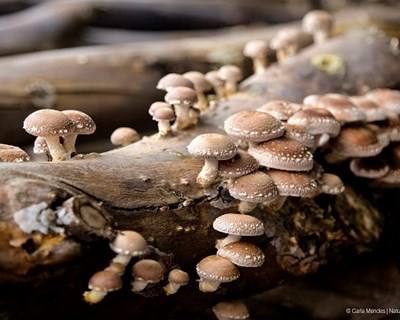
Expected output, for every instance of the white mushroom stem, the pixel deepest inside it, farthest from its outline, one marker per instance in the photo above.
(230, 87)
(164, 127)
(320, 36)
(284, 53)
(69, 144)
(182, 116)
(202, 101)
(246, 207)
(208, 285)
(94, 296)
(227, 240)
(323, 139)
(260, 64)
(139, 285)
(171, 288)
(122, 259)
(56, 149)
(208, 173)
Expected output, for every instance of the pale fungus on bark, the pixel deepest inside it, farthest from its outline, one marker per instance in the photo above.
(124, 136)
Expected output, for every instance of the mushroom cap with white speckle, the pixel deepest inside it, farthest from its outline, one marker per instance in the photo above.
(283, 154)
(40, 146)
(341, 107)
(387, 99)
(239, 225)
(129, 243)
(84, 124)
(216, 268)
(105, 281)
(156, 105)
(234, 310)
(255, 49)
(372, 111)
(212, 145)
(199, 81)
(301, 134)
(48, 122)
(331, 184)
(294, 184)
(317, 20)
(253, 126)
(230, 73)
(148, 270)
(238, 166)
(124, 136)
(279, 109)
(243, 254)
(181, 96)
(10, 153)
(371, 168)
(256, 187)
(164, 114)
(173, 80)
(178, 276)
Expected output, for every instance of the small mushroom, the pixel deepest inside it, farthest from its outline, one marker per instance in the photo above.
(124, 136)
(279, 109)
(372, 111)
(146, 272)
(182, 99)
(371, 168)
(231, 75)
(100, 284)
(128, 244)
(319, 23)
(164, 116)
(331, 184)
(286, 43)
(238, 166)
(212, 147)
(176, 279)
(214, 270)
(52, 125)
(10, 153)
(217, 83)
(237, 226)
(235, 310)
(201, 85)
(387, 99)
(243, 254)
(294, 184)
(173, 80)
(40, 147)
(252, 189)
(257, 50)
(302, 135)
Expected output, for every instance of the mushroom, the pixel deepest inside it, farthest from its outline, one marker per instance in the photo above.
(311, 100)
(238, 166)
(372, 111)
(283, 154)
(201, 85)
(257, 50)
(10, 153)
(124, 136)
(253, 126)
(146, 272)
(387, 99)
(217, 83)
(173, 80)
(116, 267)
(128, 244)
(294, 184)
(302, 135)
(52, 125)
(212, 147)
(83, 124)
(182, 99)
(236, 226)
(251, 189)
(243, 254)
(40, 147)
(234, 310)
(231, 75)
(286, 43)
(319, 23)
(279, 109)
(176, 279)
(100, 284)
(214, 270)
(371, 168)
(164, 116)
(331, 184)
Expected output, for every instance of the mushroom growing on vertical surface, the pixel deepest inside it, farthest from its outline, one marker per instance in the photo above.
(257, 50)
(279, 109)
(182, 99)
(146, 272)
(40, 147)
(100, 284)
(286, 43)
(217, 83)
(128, 244)
(176, 279)
(164, 116)
(10, 153)
(214, 270)
(173, 80)
(52, 125)
(242, 254)
(201, 85)
(212, 147)
(237, 226)
(83, 124)
(231, 75)
(124, 136)
(319, 23)
(234, 310)
(252, 189)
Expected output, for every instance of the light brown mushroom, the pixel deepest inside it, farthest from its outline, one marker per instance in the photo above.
(387, 99)
(128, 244)
(173, 80)
(319, 23)
(372, 111)
(176, 279)
(234, 310)
(100, 284)
(279, 109)
(10, 153)
(124, 136)
(182, 99)
(243, 254)
(217, 83)
(146, 272)
(257, 50)
(164, 116)
(231, 75)
(40, 147)
(201, 86)
(238, 166)
(286, 43)
(331, 184)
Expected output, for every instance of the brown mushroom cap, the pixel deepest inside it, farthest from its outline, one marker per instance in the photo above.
(279, 109)
(164, 114)
(212, 145)
(179, 277)
(48, 122)
(181, 96)
(157, 105)
(124, 136)
(341, 107)
(331, 184)
(148, 270)
(294, 184)
(286, 37)
(10, 153)
(387, 99)
(173, 80)
(283, 154)
(235, 310)
(214, 79)
(230, 73)
(372, 168)
(40, 146)
(253, 126)
(129, 243)
(255, 48)
(105, 281)
(216, 268)
(199, 81)
(239, 224)
(256, 187)
(372, 111)
(243, 254)
(301, 135)
(84, 124)
(238, 166)
(317, 20)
